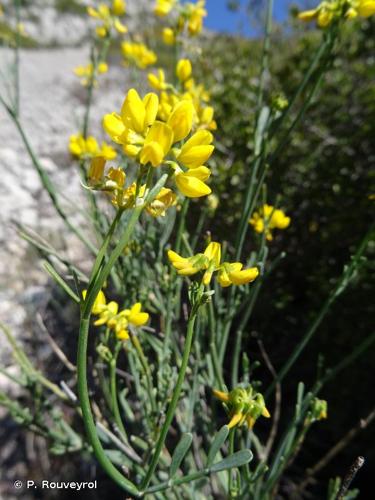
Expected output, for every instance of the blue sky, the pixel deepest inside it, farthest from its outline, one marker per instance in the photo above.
(220, 19)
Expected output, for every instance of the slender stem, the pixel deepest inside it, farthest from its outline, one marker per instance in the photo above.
(145, 366)
(113, 388)
(240, 330)
(265, 54)
(213, 349)
(90, 88)
(88, 418)
(86, 309)
(173, 404)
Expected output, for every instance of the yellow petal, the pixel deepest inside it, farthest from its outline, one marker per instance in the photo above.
(133, 111)
(243, 277)
(121, 28)
(266, 413)
(181, 120)
(237, 417)
(151, 104)
(250, 422)
(152, 153)
(223, 279)
(223, 396)
(202, 173)
(162, 134)
(122, 335)
(191, 186)
(118, 7)
(195, 156)
(183, 69)
(99, 301)
(213, 253)
(114, 126)
(96, 169)
(366, 8)
(308, 15)
(200, 137)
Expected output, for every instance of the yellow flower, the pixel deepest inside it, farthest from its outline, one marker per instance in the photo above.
(100, 302)
(181, 120)
(138, 54)
(210, 262)
(197, 150)
(86, 72)
(267, 219)
(163, 7)
(364, 8)
(165, 198)
(89, 148)
(191, 183)
(183, 70)
(196, 12)
(169, 37)
(135, 315)
(245, 406)
(140, 134)
(118, 7)
(157, 144)
(119, 322)
(318, 410)
(233, 274)
(109, 17)
(326, 11)
(157, 81)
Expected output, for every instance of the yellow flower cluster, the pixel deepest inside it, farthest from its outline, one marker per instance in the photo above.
(88, 148)
(328, 11)
(118, 321)
(188, 90)
(245, 406)
(122, 196)
(138, 54)
(109, 17)
(189, 18)
(229, 273)
(86, 72)
(151, 141)
(268, 218)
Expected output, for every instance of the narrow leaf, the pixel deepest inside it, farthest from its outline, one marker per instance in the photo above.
(217, 443)
(180, 452)
(236, 460)
(59, 280)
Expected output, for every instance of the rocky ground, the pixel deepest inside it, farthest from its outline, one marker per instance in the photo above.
(52, 106)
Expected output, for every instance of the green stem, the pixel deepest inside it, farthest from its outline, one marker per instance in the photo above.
(240, 330)
(173, 404)
(213, 349)
(265, 54)
(90, 89)
(113, 388)
(146, 368)
(86, 309)
(88, 418)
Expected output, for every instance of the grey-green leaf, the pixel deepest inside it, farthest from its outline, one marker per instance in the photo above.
(180, 452)
(236, 460)
(217, 443)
